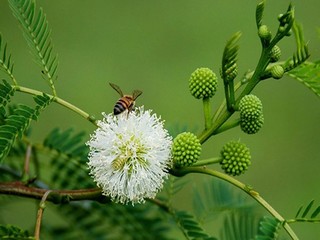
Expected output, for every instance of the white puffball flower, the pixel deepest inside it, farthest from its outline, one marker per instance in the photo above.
(130, 155)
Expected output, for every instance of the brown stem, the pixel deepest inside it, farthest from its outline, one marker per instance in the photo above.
(39, 214)
(56, 196)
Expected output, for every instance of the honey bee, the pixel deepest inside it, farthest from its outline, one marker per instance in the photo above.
(126, 102)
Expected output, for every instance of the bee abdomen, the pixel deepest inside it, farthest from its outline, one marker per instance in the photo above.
(121, 105)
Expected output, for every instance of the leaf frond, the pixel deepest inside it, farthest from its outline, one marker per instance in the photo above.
(6, 92)
(308, 213)
(216, 198)
(309, 75)
(268, 229)
(13, 232)
(302, 53)
(190, 226)
(240, 225)
(38, 35)
(172, 186)
(17, 122)
(91, 220)
(69, 157)
(229, 58)
(6, 63)
(259, 13)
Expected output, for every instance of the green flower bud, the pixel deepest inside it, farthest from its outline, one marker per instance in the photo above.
(289, 33)
(275, 54)
(264, 32)
(250, 107)
(251, 126)
(203, 83)
(235, 158)
(281, 29)
(186, 149)
(277, 71)
(232, 72)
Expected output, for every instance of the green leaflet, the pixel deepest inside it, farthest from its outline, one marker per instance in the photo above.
(268, 229)
(240, 225)
(6, 92)
(13, 232)
(68, 161)
(309, 75)
(37, 34)
(6, 64)
(308, 214)
(259, 13)
(190, 226)
(16, 123)
(229, 68)
(92, 220)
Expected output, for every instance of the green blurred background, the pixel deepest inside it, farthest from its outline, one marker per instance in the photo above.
(154, 46)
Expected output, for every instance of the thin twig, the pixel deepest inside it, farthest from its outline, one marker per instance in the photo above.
(42, 206)
(26, 167)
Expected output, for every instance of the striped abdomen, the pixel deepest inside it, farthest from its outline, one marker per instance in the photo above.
(124, 103)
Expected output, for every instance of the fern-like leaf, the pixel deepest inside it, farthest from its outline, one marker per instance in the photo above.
(16, 123)
(268, 229)
(42, 102)
(37, 33)
(6, 64)
(259, 13)
(307, 214)
(229, 58)
(6, 92)
(309, 75)
(92, 220)
(217, 198)
(302, 53)
(190, 226)
(69, 170)
(240, 225)
(172, 186)
(13, 232)
(229, 69)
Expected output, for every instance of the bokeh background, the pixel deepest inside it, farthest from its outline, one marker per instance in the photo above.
(154, 46)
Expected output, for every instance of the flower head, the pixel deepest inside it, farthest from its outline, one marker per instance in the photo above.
(130, 155)
(203, 83)
(250, 107)
(186, 149)
(236, 158)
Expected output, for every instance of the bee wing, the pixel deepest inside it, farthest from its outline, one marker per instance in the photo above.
(136, 94)
(117, 88)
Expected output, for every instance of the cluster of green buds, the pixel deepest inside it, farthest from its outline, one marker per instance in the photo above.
(276, 70)
(251, 115)
(264, 33)
(203, 83)
(186, 149)
(235, 157)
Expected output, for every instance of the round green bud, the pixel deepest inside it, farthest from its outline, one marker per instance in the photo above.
(289, 33)
(251, 126)
(203, 83)
(264, 32)
(250, 107)
(186, 149)
(280, 16)
(275, 54)
(277, 71)
(235, 158)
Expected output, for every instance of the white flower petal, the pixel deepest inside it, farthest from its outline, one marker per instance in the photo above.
(130, 155)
